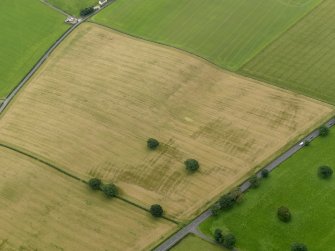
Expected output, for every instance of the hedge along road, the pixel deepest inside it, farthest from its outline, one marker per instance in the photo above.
(10, 97)
(192, 227)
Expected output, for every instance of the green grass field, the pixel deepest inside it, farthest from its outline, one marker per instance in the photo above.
(28, 29)
(227, 33)
(294, 184)
(73, 7)
(194, 243)
(302, 59)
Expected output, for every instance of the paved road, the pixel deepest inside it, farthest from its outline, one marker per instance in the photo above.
(9, 98)
(192, 227)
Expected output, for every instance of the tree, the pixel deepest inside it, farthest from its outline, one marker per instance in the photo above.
(299, 247)
(254, 181)
(324, 131)
(86, 11)
(152, 143)
(110, 190)
(156, 210)
(215, 209)
(95, 183)
(284, 214)
(218, 236)
(226, 201)
(325, 172)
(229, 241)
(191, 165)
(265, 173)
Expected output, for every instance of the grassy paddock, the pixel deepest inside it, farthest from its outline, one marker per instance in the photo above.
(194, 243)
(302, 59)
(91, 114)
(73, 6)
(41, 209)
(294, 184)
(28, 29)
(227, 33)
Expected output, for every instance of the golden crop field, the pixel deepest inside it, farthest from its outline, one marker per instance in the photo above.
(42, 209)
(101, 95)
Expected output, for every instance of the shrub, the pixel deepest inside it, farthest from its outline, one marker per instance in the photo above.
(226, 201)
(152, 143)
(215, 209)
(306, 143)
(95, 183)
(191, 165)
(265, 173)
(325, 172)
(229, 241)
(324, 131)
(86, 11)
(254, 181)
(110, 190)
(284, 214)
(156, 210)
(299, 247)
(218, 236)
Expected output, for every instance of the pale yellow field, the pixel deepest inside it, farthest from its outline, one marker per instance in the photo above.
(41, 209)
(91, 114)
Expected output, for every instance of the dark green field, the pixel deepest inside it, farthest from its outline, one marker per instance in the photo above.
(303, 59)
(294, 184)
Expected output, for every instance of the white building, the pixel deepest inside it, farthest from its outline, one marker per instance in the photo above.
(102, 2)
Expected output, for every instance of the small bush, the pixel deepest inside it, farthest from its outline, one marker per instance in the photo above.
(110, 190)
(218, 236)
(86, 11)
(191, 165)
(324, 131)
(215, 209)
(229, 241)
(156, 210)
(152, 143)
(265, 173)
(325, 172)
(226, 202)
(254, 181)
(299, 247)
(284, 214)
(95, 183)
(306, 143)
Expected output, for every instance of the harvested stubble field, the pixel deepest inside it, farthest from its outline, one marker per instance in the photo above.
(91, 114)
(28, 29)
(226, 32)
(42, 209)
(303, 58)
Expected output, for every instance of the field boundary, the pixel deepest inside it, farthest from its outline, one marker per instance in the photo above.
(61, 170)
(280, 35)
(243, 186)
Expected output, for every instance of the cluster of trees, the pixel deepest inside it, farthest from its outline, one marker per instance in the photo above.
(86, 11)
(226, 240)
(110, 190)
(227, 201)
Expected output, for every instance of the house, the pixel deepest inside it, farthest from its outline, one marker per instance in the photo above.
(102, 2)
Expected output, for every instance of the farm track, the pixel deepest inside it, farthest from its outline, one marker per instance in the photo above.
(192, 226)
(61, 170)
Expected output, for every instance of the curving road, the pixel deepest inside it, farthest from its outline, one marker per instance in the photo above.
(192, 227)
